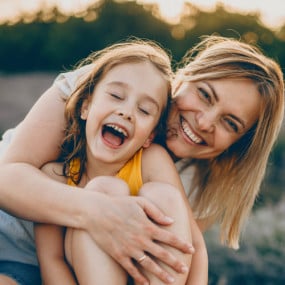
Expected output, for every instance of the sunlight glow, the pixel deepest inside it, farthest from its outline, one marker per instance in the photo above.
(169, 9)
(271, 11)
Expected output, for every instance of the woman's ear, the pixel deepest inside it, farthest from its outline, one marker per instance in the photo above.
(149, 140)
(84, 109)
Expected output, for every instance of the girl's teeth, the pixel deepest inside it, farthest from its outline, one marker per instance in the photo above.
(118, 129)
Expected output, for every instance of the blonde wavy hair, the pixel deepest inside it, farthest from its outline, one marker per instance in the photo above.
(225, 188)
(133, 50)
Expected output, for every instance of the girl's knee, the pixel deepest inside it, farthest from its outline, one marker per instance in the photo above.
(109, 185)
(163, 195)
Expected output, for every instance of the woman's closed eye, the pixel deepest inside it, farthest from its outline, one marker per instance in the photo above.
(231, 124)
(205, 95)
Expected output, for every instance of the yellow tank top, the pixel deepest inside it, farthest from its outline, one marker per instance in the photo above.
(130, 172)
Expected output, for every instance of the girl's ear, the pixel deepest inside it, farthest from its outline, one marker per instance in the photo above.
(149, 140)
(84, 109)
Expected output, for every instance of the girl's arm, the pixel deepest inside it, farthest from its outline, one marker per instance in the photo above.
(28, 193)
(49, 241)
(159, 167)
(50, 250)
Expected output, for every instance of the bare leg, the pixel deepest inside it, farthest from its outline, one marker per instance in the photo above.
(5, 280)
(169, 200)
(91, 264)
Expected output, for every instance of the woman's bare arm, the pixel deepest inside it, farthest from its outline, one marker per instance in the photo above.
(35, 142)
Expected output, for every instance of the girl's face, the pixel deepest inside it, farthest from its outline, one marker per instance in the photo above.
(123, 112)
(209, 116)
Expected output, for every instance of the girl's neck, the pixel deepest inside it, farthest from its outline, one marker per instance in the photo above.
(96, 168)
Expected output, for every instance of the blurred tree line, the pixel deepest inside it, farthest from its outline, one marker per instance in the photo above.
(52, 41)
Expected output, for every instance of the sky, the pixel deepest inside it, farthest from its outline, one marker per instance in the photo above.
(272, 11)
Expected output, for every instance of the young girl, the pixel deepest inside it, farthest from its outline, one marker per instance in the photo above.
(225, 118)
(112, 118)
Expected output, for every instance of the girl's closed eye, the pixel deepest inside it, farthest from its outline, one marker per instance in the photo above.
(144, 111)
(148, 108)
(116, 96)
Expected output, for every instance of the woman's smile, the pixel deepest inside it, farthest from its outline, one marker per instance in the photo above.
(188, 132)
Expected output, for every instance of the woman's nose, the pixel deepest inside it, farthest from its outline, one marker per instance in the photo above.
(205, 121)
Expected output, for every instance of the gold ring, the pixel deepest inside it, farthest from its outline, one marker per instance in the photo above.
(141, 259)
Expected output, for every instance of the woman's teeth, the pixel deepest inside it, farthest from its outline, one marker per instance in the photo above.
(189, 133)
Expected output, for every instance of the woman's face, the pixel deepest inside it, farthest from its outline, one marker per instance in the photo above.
(209, 116)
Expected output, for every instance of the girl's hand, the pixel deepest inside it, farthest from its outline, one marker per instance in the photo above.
(125, 228)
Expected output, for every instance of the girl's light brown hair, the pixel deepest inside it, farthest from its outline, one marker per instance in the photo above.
(226, 186)
(100, 62)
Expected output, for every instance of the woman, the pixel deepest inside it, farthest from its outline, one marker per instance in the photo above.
(226, 115)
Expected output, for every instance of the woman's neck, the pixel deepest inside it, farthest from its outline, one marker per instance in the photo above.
(172, 155)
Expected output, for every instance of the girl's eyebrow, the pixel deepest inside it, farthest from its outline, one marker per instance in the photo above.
(123, 84)
(117, 83)
(242, 122)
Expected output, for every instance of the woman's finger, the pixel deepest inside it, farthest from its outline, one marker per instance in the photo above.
(162, 235)
(151, 266)
(146, 262)
(133, 271)
(166, 257)
(169, 238)
(154, 212)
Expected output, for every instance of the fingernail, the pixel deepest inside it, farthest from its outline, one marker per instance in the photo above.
(168, 219)
(170, 279)
(191, 248)
(184, 269)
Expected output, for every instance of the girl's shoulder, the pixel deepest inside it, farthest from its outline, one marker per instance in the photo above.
(155, 152)
(157, 165)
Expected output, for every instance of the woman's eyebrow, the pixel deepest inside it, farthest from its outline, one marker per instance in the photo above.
(212, 90)
(242, 122)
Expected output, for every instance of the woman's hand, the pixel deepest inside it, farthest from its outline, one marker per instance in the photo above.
(125, 228)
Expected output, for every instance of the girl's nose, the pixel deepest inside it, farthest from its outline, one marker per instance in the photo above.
(126, 114)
